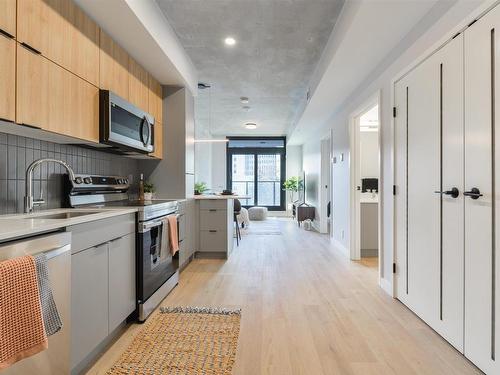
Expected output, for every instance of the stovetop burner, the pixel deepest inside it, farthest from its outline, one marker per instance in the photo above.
(111, 191)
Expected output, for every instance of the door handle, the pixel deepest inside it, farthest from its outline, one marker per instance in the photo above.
(474, 193)
(454, 192)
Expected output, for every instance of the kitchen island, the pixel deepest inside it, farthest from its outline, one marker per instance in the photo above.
(215, 219)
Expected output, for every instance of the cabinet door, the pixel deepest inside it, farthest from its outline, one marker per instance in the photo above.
(54, 99)
(158, 141)
(155, 101)
(7, 78)
(122, 297)
(138, 92)
(89, 301)
(63, 33)
(8, 16)
(482, 171)
(114, 66)
(32, 95)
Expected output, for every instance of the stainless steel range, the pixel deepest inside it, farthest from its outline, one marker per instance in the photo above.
(156, 275)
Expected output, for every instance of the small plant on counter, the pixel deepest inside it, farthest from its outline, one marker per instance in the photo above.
(149, 189)
(200, 188)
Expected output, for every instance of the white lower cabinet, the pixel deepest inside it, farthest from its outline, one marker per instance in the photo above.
(122, 297)
(103, 280)
(447, 176)
(89, 301)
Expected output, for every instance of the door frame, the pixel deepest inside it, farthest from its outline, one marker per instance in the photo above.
(354, 201)
(325, 186)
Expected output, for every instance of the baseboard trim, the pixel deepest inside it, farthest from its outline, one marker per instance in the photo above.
(386, 287)
(344, 250)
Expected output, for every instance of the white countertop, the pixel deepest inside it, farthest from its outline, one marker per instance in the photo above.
(21, 225)
(220, 196)
(368, 198)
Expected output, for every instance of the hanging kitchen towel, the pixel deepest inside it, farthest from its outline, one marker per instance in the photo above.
(173, 233)
(51, 319)
(21, 322)
(164, 245)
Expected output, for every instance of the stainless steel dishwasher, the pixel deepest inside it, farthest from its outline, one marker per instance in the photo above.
(57, 247)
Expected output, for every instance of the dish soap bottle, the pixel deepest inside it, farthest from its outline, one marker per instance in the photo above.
(141, 188)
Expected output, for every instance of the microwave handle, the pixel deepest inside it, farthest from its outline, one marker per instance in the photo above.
(145, 122)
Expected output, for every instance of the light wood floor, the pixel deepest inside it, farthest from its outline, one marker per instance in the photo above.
(306, 309)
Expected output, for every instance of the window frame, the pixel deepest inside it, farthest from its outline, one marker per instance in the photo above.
(230, 151)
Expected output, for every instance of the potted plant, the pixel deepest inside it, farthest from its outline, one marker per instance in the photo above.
(291, 185)
(149, 189)
(200, 188)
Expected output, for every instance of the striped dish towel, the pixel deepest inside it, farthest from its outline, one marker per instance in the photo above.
(51, 319)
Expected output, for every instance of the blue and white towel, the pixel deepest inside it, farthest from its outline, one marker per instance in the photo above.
(51, 319)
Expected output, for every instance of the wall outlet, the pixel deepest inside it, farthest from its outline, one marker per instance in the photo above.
(342, 234)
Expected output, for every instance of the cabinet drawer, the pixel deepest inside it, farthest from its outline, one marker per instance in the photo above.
(217, 204)
(216, 219)
(213, 241)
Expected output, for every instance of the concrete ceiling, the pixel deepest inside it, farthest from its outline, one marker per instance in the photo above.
(278, 45)
(368, 37)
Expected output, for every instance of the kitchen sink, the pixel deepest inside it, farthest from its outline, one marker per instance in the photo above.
(63, 215)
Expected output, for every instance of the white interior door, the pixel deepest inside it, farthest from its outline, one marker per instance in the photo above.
(429, 163)
(481, 172)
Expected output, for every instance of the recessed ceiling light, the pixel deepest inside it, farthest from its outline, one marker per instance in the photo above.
(244, 100)
(251, 125)
(230, 41)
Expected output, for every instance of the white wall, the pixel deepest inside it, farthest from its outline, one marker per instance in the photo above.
(311, 159)
(219, 181)
(368, 150)
(381, 79)
(203, 163)
(293, 166)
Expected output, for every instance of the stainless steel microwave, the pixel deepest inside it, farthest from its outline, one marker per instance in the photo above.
(123, 125)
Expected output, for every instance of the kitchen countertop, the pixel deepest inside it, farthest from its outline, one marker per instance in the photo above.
(22, 225)
(220, 196)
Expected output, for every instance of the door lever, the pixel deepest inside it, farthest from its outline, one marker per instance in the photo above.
(474, 193)
(454, 193)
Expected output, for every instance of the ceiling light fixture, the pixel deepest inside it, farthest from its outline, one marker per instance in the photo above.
(230, 41)
(244, 100)
(251, 125)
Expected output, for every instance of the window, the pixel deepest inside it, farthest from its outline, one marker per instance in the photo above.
(256, 168)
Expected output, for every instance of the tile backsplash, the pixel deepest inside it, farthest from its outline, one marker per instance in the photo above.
(17, 153)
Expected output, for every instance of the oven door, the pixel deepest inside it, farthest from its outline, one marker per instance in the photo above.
(123, 124)
(154, 269)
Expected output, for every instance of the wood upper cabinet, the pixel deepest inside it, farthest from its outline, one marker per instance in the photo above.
(114, 66)
(158, 139)
(8, 16)
(138, 91)
(7, 78)
(155, 108)
(53, 99)
(63, 33)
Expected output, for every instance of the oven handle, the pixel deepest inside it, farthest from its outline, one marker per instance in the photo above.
(146, 227)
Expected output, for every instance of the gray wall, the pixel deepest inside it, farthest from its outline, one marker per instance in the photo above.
(17, 152)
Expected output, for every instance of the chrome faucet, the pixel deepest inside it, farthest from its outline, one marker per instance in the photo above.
(29, 202)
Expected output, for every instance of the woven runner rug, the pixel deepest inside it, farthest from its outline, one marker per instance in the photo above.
(183, 340)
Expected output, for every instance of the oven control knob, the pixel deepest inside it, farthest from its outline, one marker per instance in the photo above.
(120, 181)
(125, 181)
(87, 180)
(78, 180)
